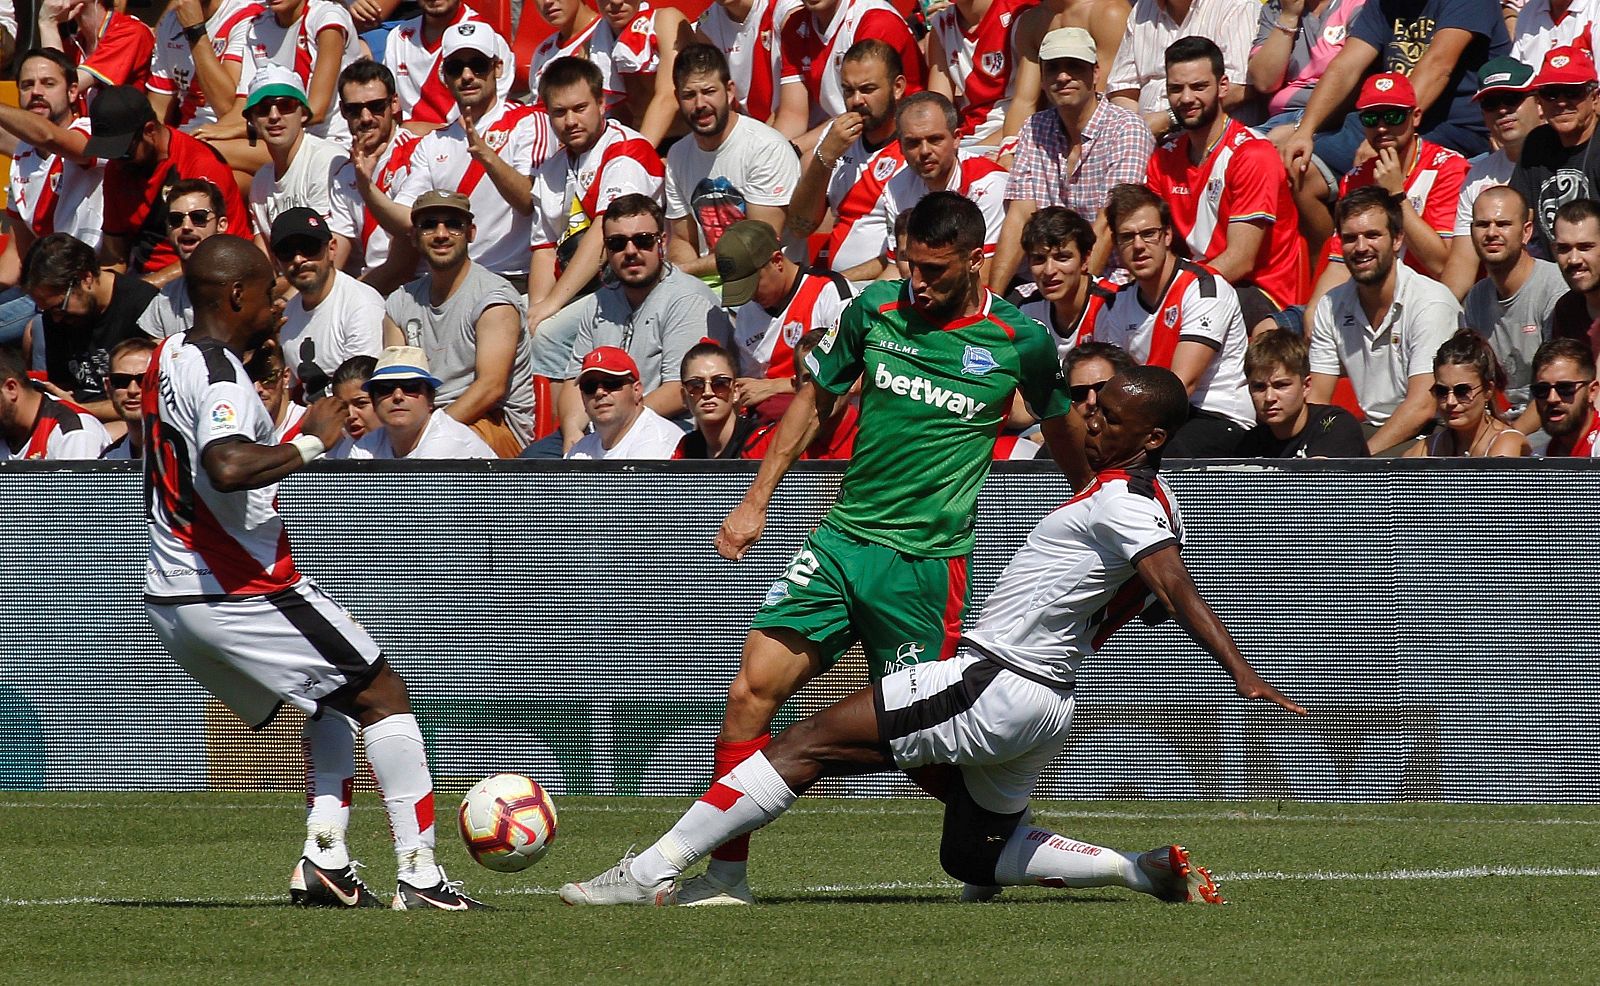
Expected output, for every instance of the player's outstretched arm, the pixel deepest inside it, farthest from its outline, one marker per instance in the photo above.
(1166, 575)
(798, 427)
(244, 465)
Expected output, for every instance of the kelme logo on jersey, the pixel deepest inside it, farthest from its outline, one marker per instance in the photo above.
(977, 361)
(924, 390)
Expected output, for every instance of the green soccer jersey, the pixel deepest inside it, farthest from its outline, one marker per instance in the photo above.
(932, 403)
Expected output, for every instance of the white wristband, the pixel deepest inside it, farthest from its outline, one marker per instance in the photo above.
(309, 447)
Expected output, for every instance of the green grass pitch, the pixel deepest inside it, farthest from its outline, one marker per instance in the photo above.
(122, 888)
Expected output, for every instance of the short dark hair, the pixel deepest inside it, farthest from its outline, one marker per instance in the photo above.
(1057, 225)
(132, 344)
(636, 204)
(1366, 199)
(197, 186)
(57, 262)
(264, 359)
(357, 368)
(1195, 49)
(12, 365)
(1125, 199)
(946, 219)
(708, 347)
(869, 49)
(1467, 348)
(570, 71)
(1277, 348)
(1576, 211)
(1577, 352)
(699, 59)
(1165, 397)
(365, 70)
(1119, 358)
(69, 68)
(928, 99)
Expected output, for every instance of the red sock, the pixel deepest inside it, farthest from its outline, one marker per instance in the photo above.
(728, 756)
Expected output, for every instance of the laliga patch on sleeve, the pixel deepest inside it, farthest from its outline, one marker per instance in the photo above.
(223, 415)
(826, 342)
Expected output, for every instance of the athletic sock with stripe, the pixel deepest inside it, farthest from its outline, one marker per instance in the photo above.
(750, 796)
(329, 742)
(400, 764)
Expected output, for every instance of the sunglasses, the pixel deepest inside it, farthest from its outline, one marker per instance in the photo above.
(196, 217)
(453, 223)
(412, 388)
(1569, 93)
(589, 386)
(285, 105)
(353, 111)
(1461, 390)
(617, 243)
(480, 65)
(122, 381)
(1503, 101)
(268, 379)
(721, 385)
(61, 309)
(1081, 392)
(1568, 389)
(301, 247)
(1389, 118)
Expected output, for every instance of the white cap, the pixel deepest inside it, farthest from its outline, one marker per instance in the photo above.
(1068, 42)
(468, 36)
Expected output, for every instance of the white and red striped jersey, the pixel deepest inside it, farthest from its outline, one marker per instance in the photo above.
(1070, 337)
(1587, 444)
(766, 337)
(62, 430)
(172, 66)
(571, 193)
(981, 62)
(1433, 187)
(294, 47)
(519, 134)
(49, 194)
(1074, 582)
(1538, 31)
(855, 191)
(1197, 305)
(637, 50)
(289, 427)
(349, 215)
(751, 48)
(414, 60)
(206, 544)
(1240, 180)
(810, 55)
(593, 42)
(975, 175)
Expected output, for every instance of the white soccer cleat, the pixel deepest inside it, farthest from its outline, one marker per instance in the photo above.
(707, 891)
(1177, 881)
(978, 893)
(617, 886)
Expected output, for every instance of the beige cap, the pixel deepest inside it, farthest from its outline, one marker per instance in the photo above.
(1068, 42)
(402, 363)
(438, 198)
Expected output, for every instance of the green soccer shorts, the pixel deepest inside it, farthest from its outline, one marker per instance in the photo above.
(840, 589)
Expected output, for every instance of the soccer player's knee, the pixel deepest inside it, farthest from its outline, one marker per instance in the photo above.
(965, 858)
(974, 837)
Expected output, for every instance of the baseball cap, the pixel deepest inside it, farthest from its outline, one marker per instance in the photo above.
(467, 36)
(271, 81)
(1387, 89)
(402, 363)
(1503, 75)
(441, 199)
(1567, 65)
(299, 221)
(743, 249)
(1068, 42)
(116, 118)
(609, 361)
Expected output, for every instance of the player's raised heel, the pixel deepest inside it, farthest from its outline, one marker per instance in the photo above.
(977, 893)
(707, 891)
(311, 885)
(617, 886)
(1178, 881)
(445, 896)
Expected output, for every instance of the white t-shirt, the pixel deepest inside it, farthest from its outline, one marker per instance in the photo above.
(569, 194)
(423, 95)
(752, 51)
(50, 194)
(307, 184)
(350, 217)
(975, 176)
(295, 48)
(521, 136)
(1490, 171)
(754, 166)
(170, 311)
(348, 322)
(443, 438)
(649, 437)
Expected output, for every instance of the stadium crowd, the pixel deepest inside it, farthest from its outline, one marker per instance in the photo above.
(1350, 227)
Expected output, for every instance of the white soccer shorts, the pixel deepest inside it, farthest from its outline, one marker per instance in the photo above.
(1002, 729)
(296, 646)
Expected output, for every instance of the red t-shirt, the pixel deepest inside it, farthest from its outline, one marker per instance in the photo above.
(121, 55)
(1433, 186)
(135, 204)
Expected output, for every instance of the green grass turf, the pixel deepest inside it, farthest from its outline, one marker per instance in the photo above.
(115, 888)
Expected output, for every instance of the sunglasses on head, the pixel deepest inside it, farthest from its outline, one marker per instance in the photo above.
(1081, 392)
(480, 65)
(412, 388)
(1568, 389)
(122, 381)
(589, 386)
(616, 243)
(1461, 390)
(353, 111)
(196, 217)
(1392, 117)
(721, 385)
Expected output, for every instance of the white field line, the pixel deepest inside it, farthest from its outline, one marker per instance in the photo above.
(1331, 876)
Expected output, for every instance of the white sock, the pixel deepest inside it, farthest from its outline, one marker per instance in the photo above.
(400, 764)
(329, 742)
(1037, 856)
(748, 797)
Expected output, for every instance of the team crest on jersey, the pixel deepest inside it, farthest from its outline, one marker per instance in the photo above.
(993, 62)
(1005, 19)
(640, 23)
(1417, 202)
(792, 331)
(1334, 34)
(223, 415)
(765, 41)
(977, 361)
(1170, 316)
(1214, 189)
(884, 169)
(777, 594)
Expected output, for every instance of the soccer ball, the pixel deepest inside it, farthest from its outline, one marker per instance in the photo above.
(507, 822)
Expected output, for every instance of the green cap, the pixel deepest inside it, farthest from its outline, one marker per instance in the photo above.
(1503, 75)
(742, 250)
(272, 81)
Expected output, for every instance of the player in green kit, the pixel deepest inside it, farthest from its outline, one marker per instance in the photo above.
(940, 359)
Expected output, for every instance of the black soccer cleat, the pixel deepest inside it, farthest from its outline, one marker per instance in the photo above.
(444, 896)
(311, 885)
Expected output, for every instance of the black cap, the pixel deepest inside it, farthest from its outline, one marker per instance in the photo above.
(300, 221)
(116, 118)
